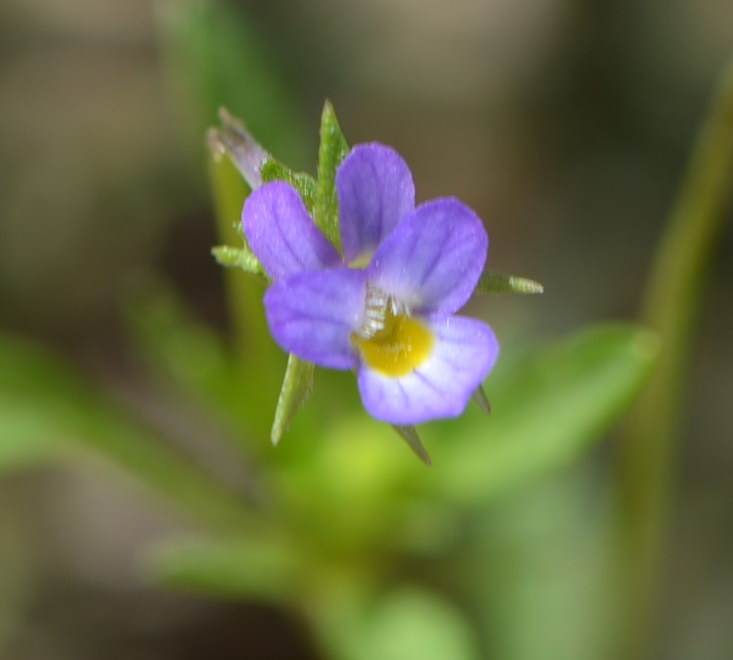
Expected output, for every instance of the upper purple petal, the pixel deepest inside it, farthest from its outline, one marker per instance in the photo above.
(463, 354)
(432, 261)
(314, 314)
(282, 234)
(375, 192)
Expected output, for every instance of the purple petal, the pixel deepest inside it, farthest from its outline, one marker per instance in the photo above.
(432, 261)
(314, 314)
(464, 352)
(375, 192)
(282, 234)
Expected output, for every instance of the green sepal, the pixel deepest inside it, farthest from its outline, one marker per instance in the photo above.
(480, 398)
(273, 170)
(492, 282)
(235, 141)
(332, 151)
(296, 388)
(410, 436)
(241, 257)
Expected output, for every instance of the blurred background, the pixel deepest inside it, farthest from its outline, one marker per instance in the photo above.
(565, 124)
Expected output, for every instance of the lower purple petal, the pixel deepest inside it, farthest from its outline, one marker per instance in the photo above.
(314, 314)
(464, 352)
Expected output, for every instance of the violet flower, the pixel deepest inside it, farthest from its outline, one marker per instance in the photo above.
(386, 308)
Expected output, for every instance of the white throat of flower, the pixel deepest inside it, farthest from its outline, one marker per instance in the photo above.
(380, 309)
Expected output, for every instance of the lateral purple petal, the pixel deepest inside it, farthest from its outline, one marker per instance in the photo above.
(464, 352)
(313, 314)
(433, 259)
(375, 191)
(282, 234)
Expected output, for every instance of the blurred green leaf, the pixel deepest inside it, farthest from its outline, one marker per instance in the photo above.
(411, 624)
(304, 183)
(546, 407)
(255, 567)
(332, 151)
(26, 437)
(32, 423)
(56, 412)
(180, 347)
(542, 560)
(216, 57)
(297, 387)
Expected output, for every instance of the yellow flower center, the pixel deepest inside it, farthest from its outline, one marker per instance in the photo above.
(399, 347)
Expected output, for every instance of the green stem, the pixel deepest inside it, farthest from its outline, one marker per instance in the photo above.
(244, 292)
(258, 357)
(671, 306)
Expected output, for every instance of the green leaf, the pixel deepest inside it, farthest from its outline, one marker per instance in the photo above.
(332, 151)
(546, 408)
(185, 354)
(255, 567)
(53, 411)
(41, 404)
(232, 257)
(26, 437)
(297, 387)
(215, 56)
(543, 559)
(492, 282)
(411, 624)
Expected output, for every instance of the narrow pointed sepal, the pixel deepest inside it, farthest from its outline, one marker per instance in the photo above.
(232, 257)
(410, 436)
(296, 388)
(305, 184)
(332, 151)
(492, 282)
(234, 140)
(479, 396)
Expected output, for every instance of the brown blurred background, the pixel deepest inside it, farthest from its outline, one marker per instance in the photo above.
(565, 124)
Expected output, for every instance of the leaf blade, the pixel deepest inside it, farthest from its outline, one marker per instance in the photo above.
(581, 385)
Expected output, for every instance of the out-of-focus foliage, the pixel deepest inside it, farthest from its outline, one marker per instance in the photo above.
(216, 58)
(493, 550)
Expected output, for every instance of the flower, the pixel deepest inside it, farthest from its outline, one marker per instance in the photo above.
(387, 307)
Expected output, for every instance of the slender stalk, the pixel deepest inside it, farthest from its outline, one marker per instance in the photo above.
(244, 292)
(670, 307)
(258, 358)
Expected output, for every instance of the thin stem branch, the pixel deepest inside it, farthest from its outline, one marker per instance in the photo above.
(256, 352)
(670, 307)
